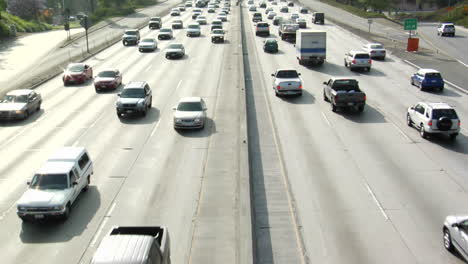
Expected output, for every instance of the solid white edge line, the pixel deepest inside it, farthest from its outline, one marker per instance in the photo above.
(401, 132)
(376, 201)
(464, 64)
(326, 119)
(155, 128)
(103, 224)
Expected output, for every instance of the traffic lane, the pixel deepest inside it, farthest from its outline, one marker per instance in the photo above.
(113, 114)
(374, 117)
(172, 163)
(333, 197)
(453, 46)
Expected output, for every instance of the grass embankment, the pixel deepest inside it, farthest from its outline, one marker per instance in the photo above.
(128, 8)
(458, 15)
(353, 9)
(20, 24)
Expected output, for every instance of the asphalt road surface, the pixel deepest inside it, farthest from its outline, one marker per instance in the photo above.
(324, 187)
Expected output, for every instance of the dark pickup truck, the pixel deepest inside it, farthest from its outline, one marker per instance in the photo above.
(344, 93)
(140, 244)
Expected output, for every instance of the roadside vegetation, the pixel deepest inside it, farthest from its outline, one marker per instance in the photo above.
(25, 16)
(359, 8)
(458, 15)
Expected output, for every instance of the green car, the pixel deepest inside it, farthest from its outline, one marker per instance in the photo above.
(270, 45)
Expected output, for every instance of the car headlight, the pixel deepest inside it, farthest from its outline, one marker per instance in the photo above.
(58, 207)
(197, 120)
(18, 111)
(141, 103)
(177, 120)
(21, 208)
(118, 103)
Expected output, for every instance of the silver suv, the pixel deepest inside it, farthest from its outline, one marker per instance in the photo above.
(136, 98)
(446, 29)
(357, 60)
(434, 118)
(131, 36)
(455, 234)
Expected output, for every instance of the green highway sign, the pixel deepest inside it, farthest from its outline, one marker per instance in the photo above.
(411, 24)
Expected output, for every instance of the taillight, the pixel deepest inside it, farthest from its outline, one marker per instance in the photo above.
(278, 87)
(353, 61)
(430, 123)
(300, 86)
(365, 97)
(373, 51)
(370, 61)
(459, 123)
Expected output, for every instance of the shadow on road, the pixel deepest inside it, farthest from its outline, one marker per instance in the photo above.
(459, 145)
(306, 98)
(83, 211)
(370, 115)
(208, 130)
(152, 116)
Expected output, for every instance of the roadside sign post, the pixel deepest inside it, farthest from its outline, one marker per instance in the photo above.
(369, 21)
(85, 23)
(410, 24)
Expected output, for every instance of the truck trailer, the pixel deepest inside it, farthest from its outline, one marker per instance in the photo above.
(311, 47)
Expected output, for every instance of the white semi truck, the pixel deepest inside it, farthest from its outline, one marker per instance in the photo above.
(311, 47)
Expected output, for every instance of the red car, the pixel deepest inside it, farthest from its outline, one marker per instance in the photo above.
(77, 73)
(108, 79)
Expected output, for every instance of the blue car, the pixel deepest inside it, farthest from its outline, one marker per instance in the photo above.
(428, 79)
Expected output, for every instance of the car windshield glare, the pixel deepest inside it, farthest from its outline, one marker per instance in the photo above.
(148, 40)
(107, 74)
(49, 181)
(434, 75)
(189, 106)
(132, 93)
(165, 30)
(15, 99)
(76, 68)
(130, 32)
(376, 47)
(287, 74)
(194, 26)
(362, 56)
(438, 113)
(175, 46)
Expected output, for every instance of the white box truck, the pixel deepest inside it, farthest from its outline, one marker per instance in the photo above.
(311, 47)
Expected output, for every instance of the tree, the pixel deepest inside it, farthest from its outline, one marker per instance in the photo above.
(2, 7)
(26, 9)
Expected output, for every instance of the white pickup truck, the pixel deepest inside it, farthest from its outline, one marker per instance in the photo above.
(287, 82)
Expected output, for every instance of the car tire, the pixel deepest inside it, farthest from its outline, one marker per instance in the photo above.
(361, 108)
(333, 107)
(143, 113)
(345, 64)
(86, 188)
(277, 94)
(119, 115)
(422, 132)
(66, 214)
(368, 69)
(448, 245)
(409, 122)
(97, 90)
(453, 136)
(38, 108)
(411, 81)
(325, 98)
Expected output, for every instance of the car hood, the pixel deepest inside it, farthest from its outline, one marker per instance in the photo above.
(188, 114)
(174, 50)
(130, 100)
(12, 106)
(33, 197)
(104, 79)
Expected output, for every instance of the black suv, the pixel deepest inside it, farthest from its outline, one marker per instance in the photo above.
(318, 18)
(155, 23)
(136, 98)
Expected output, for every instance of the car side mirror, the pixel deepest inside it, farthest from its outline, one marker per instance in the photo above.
(28, 183)
(325, 83)
(412, 108)
(174, 108)
(299, 74)
(273, 74)
(74, 183)
(455, 225)
(118, 94)
(204, 108)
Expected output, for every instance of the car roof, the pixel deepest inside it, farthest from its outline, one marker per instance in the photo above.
(448, 23)
(374, 43)
(109, 69)
(128, 249)
(55, 167)
(190, 99)
(75, 63)
(135, 84)
(439, 105)
(424, 71)
(20, 92)
(67, 153)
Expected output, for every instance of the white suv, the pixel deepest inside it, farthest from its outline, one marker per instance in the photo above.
(434, 118)
(446, 29)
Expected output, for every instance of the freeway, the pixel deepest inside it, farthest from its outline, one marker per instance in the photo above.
(318, 186)
(145, 171)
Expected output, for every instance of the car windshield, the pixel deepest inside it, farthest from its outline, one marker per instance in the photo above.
(201, 17)
(434, 75)
(194, 26)
(189, 106)
(449, 26)
(76, 68)
(270, 41)
(287, 74)
(438, 113)
(361, 56)
(177, 22)
(132, 93)
(130, 32)
(107, 74)
(165, 30)
(345, 85)
(15, 99)
(147, 40)
(49, 181)
(376, 46)
(155, 19)
(218, 31)
(175, 46)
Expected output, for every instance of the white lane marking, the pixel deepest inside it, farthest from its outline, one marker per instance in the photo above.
(454, 85)
(178, 85)
(103, 224)
(376, 201)
(155, 127)
(13, 138)
(464, 64)
(412, 64)
(149, 68)
(401, 132)
(76, 143)
(326, 119)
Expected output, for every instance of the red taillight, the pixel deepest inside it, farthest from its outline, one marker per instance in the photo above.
(300, 86)
(353, 61)
(373, 51)
(365, 97)
(278, 87)
(430, 123)
(459, 123)
(370, 61)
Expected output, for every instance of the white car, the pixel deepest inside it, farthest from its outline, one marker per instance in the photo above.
(446, 29)
(190, 112)
(252, 8)
(165, 33)
(147, 44)
(222, 17)
(175, 50)
(201, 20)
(271, 15)
(193, 30)
(434, 118)
(455, 234)
(375, 50)
(175, 12)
